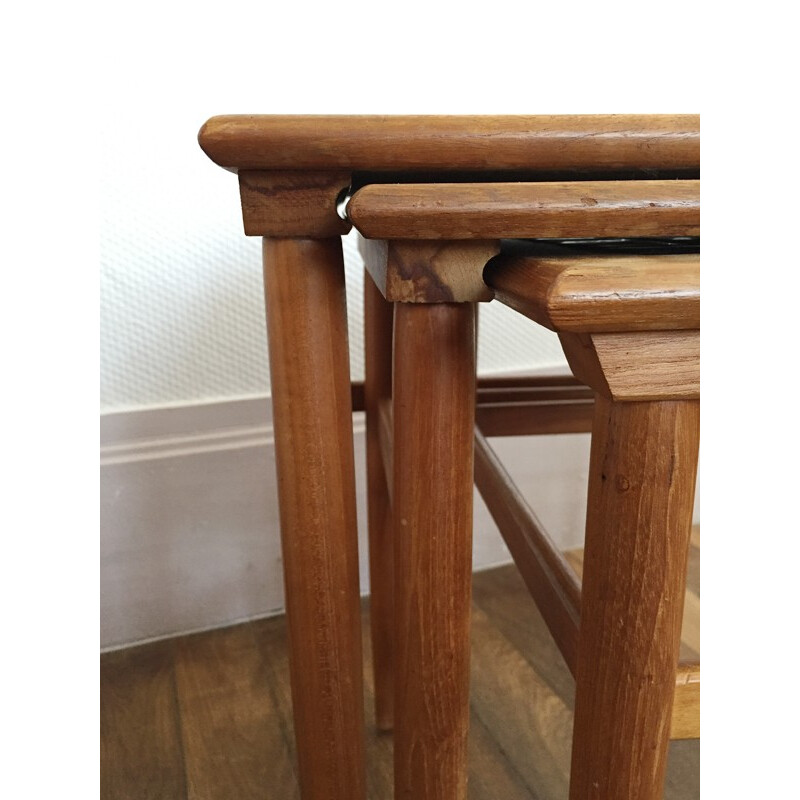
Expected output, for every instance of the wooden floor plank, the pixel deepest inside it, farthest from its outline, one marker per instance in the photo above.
(233, 743)
(140, 742)
(529, 721)
(235, 711)
(503, 596)
(380, 744)
(491, 774)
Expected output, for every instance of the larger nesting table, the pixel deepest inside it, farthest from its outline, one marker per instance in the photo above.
(434, 199)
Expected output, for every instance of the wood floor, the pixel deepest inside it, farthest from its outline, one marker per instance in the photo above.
(208, 716)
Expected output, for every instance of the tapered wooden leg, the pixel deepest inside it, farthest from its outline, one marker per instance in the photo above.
(434, 397)
(307, 331)
(378, 387)
(641, 491)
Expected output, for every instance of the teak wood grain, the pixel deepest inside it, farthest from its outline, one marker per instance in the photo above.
(690, 642)
(429, 272)
(637, 366)
(309, 363)
(686, 709)
(527, 210)
(522, 393)
(535, 417)
(641, 491)
(601, 293)
(434, 400)
(628, 324)
(290, 203)
(567, 142)
(378, 323)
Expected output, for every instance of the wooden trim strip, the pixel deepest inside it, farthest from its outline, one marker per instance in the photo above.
(526, 381)
(357, 396)
(385, 433)
(511, 394)
(506, 389)
(535, 417)
(552, 583)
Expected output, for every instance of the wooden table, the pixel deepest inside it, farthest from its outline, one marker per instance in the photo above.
(434, 197)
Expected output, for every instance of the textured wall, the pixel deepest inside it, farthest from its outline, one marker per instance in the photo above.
(181, 291)
(181, 288)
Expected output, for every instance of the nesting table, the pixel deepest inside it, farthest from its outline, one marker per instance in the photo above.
(454, 211)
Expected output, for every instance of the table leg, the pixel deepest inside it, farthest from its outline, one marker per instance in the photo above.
(378, 316)
(641, 492)
(309, 364)
(434, 411)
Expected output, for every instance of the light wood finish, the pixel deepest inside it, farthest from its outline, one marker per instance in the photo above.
(696, 539)
(307, 333)
(429, 272)
(378, 322)
(691, 619)
(601, 293)
(287, 203)
(637, 366)
(527, 210)
(551, 582)
(140, 736)
(434, 399)
(535, 417)
(641, 491)
(553, 142)
(686, 707)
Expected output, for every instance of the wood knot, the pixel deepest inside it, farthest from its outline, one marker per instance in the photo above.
(622, 483)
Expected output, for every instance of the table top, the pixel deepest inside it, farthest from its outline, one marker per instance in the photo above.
(470, 143)
(452, 211)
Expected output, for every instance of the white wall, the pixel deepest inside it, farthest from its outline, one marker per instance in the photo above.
(182, 309)
(190, 535)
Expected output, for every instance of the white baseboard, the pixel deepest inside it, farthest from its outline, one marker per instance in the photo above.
(189, 515)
